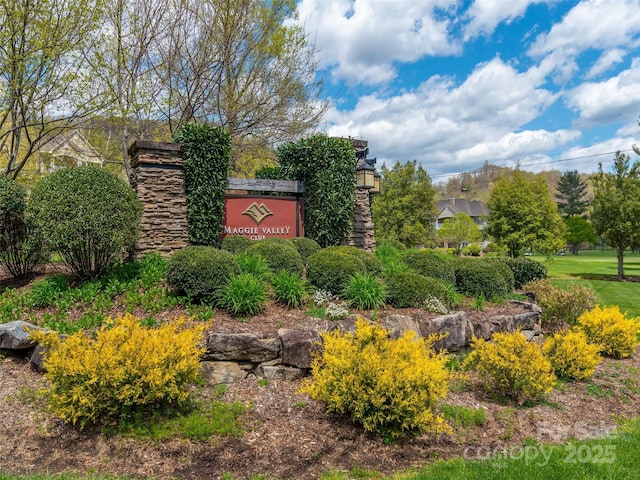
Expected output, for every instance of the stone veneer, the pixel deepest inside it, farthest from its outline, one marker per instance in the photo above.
(158, 180)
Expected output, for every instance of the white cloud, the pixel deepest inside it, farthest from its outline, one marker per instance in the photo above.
(601, 102)
(608, 59)
(486, 15)
(361, 39)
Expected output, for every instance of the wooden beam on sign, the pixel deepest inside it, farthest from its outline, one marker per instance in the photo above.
(266, 185)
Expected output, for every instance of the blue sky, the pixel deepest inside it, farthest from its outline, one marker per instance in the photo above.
(452, 84)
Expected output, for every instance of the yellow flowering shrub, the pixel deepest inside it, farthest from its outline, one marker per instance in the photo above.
(124, 368)
(388, 385)
(510, 365)
(617, 334)
(571, 355)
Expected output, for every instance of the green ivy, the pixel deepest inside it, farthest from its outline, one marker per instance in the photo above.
(206, 151)
(327, 167)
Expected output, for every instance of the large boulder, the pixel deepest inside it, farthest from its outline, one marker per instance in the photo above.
(299, 346)
(15, 335)
(241, 347)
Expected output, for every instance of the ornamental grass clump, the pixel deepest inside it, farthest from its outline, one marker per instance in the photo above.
(610, 328)
(511, 366)
(365, 291)
(390, 386)
(123, 371)
(571, 355)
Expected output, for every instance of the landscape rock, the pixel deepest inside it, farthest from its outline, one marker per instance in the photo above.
(457, 329)
(298, 346)
(216, 373)
(241, 347)
(15, 335)
(398, 325)
(279, 372)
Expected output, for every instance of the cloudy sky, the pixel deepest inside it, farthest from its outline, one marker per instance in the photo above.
(452, 83)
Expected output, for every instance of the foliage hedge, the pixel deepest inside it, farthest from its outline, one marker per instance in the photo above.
(206, 152)
(327, 167)
(21, 246)
(86, 214)
(306, 247)
(235, 243)
(430, 264)
(409, 289)
(524, 269)
(331, 268)
(201, 272)
(505, 271)
(279, 253)
(371, 263)
(477, 278)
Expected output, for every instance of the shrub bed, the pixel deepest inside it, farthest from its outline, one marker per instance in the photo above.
(279, 253)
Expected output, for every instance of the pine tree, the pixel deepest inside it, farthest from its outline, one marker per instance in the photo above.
(571, 197)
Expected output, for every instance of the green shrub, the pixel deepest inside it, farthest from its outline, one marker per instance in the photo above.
(561, 306)
(330, 269)
(243, 294)
(289, 288)
(88, 215)
(524, 269)
(397, 244)
(254, 264)
(365, 291)
(21, 245)
(509, 365)
(571, 355)
(612, 330)
(389, 386)
(201, 272)
(206, 151)
(279, 253)
(306, 247)
(429, 264)
(476, 278)
(505, 271)
(472, 251)
(235, 243)
(123, 371)
(408, 289)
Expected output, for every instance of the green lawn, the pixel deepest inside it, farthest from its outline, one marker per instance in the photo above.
(595, 269)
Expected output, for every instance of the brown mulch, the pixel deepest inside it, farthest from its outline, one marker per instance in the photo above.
(288, 435)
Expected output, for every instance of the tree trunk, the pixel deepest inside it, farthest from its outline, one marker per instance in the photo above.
(620, 252)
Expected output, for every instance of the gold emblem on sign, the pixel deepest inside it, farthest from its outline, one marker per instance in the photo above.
(257, 212)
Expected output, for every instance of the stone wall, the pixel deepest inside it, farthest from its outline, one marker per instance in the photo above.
(158, 179)
(362, 234)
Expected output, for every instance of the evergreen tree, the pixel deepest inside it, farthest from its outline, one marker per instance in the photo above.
(571, 194)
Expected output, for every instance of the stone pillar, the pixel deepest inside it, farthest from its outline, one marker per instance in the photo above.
(158, 180)
(362, 234)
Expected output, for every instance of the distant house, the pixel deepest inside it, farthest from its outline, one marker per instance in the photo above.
(67, 149)
(452, 206)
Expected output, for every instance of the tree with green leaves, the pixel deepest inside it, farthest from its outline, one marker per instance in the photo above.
(46, 85)
(405, 209)
(616, 206)
(458, 230)
(572, 188)
(523, 216)
(579, 230)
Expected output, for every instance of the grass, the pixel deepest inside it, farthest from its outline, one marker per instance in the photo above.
(596, 269)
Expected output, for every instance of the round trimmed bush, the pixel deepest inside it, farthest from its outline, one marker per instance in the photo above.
(330, 269)
(235, 243)
(306, 247)
(408, 289)
(88, 215)
(279, 253)
(429, 264)
(371, 263)
(505, 271)
(201, 272)
(524, 269)
(477, 278)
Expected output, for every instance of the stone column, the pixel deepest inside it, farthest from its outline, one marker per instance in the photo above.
(362, 233)
(158, 180)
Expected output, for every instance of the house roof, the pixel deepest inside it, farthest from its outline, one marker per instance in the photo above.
(452, 206)
(72, 143)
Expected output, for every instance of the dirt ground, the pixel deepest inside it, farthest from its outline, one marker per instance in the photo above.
(288, 436)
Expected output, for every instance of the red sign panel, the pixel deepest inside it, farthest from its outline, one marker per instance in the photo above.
(262, 217)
